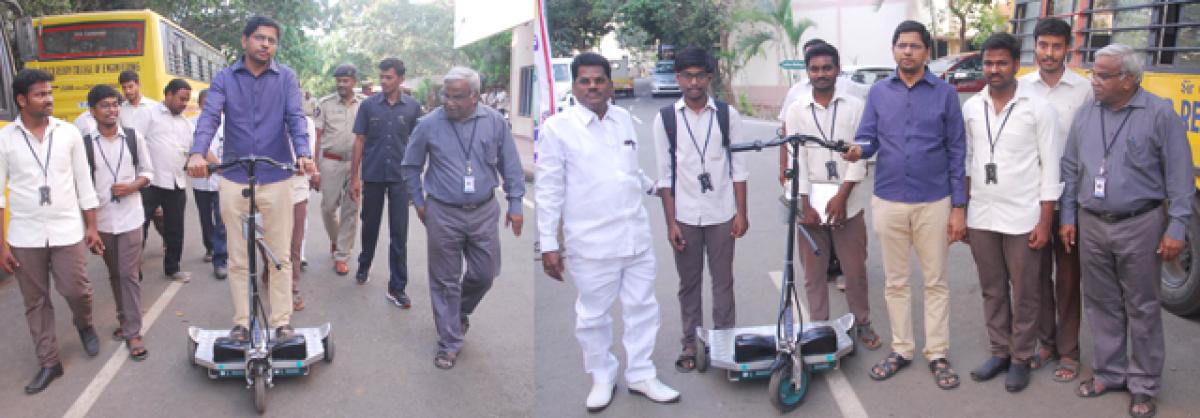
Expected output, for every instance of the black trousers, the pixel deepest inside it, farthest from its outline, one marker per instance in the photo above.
(374, 196)
(172, 202)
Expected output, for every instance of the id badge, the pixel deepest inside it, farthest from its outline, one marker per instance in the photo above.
(469, 184)
(1098, 189)
(44, 191)
(990, 171)
(831, 169)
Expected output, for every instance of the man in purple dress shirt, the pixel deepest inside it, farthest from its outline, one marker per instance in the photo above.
(262, 104)
(914, 122)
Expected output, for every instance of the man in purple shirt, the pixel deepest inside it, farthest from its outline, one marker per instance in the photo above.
(914, 122)
(262, 105)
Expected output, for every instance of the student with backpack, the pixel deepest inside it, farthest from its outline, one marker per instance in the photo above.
(703, 190)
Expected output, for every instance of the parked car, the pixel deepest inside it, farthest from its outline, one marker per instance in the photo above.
(867, 74)
(664, 82)
(963, 71)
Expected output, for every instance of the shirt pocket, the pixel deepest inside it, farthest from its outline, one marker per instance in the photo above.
(491, 152)
(1142, 153)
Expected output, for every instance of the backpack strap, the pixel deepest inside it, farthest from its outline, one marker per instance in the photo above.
(131, 142)
(723, 123)
(668, 120)
(91, 157)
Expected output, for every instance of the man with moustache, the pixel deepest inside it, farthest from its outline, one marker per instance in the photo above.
(334, 118)
(1127, 156)
(913, 120)
(588, 178)
(1060, 311)
(703, 189)
(1012, 165)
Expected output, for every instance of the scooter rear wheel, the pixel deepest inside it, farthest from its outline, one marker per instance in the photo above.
(260, 389)
(785, 394)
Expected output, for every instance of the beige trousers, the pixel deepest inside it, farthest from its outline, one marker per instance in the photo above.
(902, 228)
(275, 208)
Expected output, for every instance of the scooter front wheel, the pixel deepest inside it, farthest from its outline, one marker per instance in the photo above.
(260, 389)
(786, 395)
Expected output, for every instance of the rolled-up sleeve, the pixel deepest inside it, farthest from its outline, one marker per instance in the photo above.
(1177, 169)
(549, 184)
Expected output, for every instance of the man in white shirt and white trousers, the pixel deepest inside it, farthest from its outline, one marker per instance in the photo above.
(52, 219)
(588, 177)
(1013, 183)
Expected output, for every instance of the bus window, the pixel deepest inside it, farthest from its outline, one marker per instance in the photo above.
(1025, 18)
(91, 40)
(1167, 32)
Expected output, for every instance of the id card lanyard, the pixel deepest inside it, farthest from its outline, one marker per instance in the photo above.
(831, 171)
(120, 159)
(704, 178)
(44, 191)
(1101, 181)
(990, 167)
(467, 149)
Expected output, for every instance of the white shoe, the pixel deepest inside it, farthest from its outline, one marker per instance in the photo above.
(600, 396)
(655, 390)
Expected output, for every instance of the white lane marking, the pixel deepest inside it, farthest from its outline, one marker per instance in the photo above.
(637, 119)
(80, 408)
(847, 400)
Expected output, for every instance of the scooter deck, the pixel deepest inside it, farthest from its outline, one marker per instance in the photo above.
(721, 346)
(205, 340)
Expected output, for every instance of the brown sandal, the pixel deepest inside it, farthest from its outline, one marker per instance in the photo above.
(686, 361)
(137, 350)
(1066, 365)
(868, 337)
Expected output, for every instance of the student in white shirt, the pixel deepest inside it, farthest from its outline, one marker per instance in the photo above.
(588, 177)
(1012, 166)
(703, 190)
(831, 114)
(169, 137)
(52, 219)
(208, 205)
(119, 171)
(135, 102)
(1061, 307)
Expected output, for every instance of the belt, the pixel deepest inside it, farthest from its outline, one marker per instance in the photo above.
(1114, 217)
(468, 206)
(332, 156)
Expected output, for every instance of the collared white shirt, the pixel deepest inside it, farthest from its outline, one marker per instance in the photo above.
(128, 114)
(813, 158)
(300, 182)
(588, 177)
(692, 207)
(1066, 97)
(169, 138)
(1027, 159)
(843, 84)
(216, 147)
(111, 154)
(60, 223)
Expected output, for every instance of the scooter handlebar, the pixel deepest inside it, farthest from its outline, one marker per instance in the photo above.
(249, 161)
(837, 146)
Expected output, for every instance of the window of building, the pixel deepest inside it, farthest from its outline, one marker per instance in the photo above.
(525, 106)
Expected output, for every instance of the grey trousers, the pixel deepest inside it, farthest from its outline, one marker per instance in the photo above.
(453, 235)
(123, 257)
(69, 267)
(1004, 260)
(850, 243)
(716, 242)
(1121, 275)
(338, 211)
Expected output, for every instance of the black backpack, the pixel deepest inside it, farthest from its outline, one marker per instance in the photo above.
(130, 142)
(668, 119)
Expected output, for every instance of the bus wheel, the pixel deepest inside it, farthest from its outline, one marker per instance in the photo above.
(1180, 281)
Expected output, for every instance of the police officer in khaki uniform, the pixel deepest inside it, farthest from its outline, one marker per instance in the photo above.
(334, 119)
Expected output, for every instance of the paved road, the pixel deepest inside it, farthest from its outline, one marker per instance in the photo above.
(562, 385)
(384, 355)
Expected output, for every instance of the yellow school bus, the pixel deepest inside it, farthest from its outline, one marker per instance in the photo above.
(1167, 33)
(86, 49)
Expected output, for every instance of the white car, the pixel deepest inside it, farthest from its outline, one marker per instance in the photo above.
(867, 74)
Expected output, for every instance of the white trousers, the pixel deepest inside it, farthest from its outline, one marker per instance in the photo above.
(600, 281)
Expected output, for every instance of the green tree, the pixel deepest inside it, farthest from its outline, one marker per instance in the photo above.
(578, 25)
(967, 13)
(672, 22)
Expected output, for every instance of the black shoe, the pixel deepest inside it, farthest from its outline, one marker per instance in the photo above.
(992, 367)
(466, 324)
(43, 378)
(1018, 376)
(239, 334)
(400, 299)
(285, 332)
(91, 343)
(362, 277)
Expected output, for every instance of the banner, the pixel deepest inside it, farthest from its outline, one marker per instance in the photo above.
(544, 106)
(478, 19)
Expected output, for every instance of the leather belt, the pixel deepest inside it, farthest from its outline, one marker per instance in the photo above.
(1114, 217)
(469, 206)
(332, 156)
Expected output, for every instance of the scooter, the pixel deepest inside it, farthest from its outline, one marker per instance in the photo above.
(788, 352)
(263, 357)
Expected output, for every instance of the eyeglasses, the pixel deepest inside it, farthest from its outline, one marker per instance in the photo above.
(457, 98)
(686, 76)
(265, 39)
(1105, 76)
